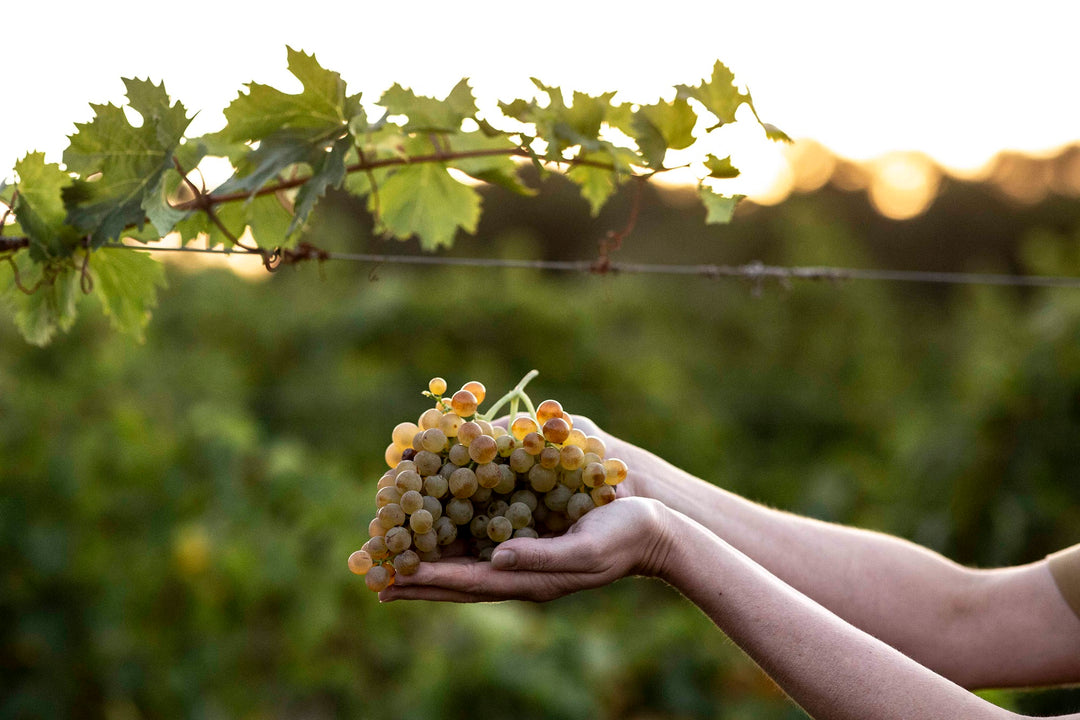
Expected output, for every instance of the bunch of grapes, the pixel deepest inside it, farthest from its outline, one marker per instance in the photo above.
(457, 480)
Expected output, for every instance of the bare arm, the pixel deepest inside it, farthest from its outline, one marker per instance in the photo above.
(960, 622)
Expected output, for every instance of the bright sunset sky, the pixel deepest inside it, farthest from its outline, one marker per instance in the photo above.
(957, 80)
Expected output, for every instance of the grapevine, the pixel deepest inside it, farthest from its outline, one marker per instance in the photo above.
(419, 162)
(458, 483)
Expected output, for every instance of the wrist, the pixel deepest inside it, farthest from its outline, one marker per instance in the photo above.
(661, 531)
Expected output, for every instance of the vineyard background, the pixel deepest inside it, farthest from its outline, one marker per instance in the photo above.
(175, 516)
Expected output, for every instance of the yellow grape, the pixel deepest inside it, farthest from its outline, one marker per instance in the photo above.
(393, 454)
(522, 426)
(593, 475)
(429, 419)
(615, 470)
(576, 438)
(360, 562)
(375, 528)
(483, 449)
(436, 386)
(477, 389)
(556, 430)
(463, 403)
(547, 410)
(594, 444)
(571, 457)
(533, 443)
(469, 432)
(602, 495)
(449, 423)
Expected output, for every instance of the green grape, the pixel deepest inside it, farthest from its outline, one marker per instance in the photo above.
(403, 434)
(387, 480)
(463, 483)
(477, 389)
(448, 468)
(411, 501)
(459, 510)
(522, 426)
(386, 496)
(427, 462)
(375, 528)
(497, 507)
(446, 530)
(429, 419)
(541, 479)
(593, 444)
(436, 386)
(577, 439)
(398, 539)
(407, 563)
(591, 457)
(504, 444)
(468, 432)
(486, 428)
(377, 578)
(571, 479)
(433, 439)
(557, 498)
(463, 403)
(507, 483)
(571, 457)
(578, 504)
(427, 541)
(409, 480)
(602, 495)
(547, 410)
(458, 455)
(436, 486)
(376, 548)
(556, 430)
(484, 552)
(533, 443)
(421, 521)
(483, 449)
(549, 457)
(526, 532)
(488, 475)
(478, 525)
(521, 461)
(390, 515)
(482, 495)
(525, 496)
(360, 562)
(433, 506)
(402, 467)
(519, 514)
(392, 456)
(593, 475)
(499, 529)
(450, 423)
(615, 470)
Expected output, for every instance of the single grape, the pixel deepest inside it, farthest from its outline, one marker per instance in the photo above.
(459, 510)
(483, 449)
(429, 419)
(557, 498)
(403, 466)
(386, 496)
(450, 423)
(555, 523)
(403, 434)
(427, 462)
(488, 475)
(522, 426)
(408, 453)
(446, 530)
(463, 403)
(417, 443)
(578, 504)
(360, 562)
(549, 457)
(505, 443)
(482, 495)
(602, 495)
(435, 486)
(497, 507)
(375, 528)
(497, 431)
(526, 532)
(432, 555)
(533, 443)
(392, 455)
(463, 483)
(484, 552)
(377, 578)
(428, 541)
(433, 506)
(407, 563)
(541, 479)
(519, 514)
(436, 386)
(571, 457)
(478, 525)
(576, 438)
(411, 501)
(477, 389)
(596, 445)
(525, 496)
(390, 515)
(571, 478)
(616, 471)
(591, 457)
(376, 548)
(421, 521)
(387, 480)
(485, 427)
(499, 529)
(547, 410)
(556, 430)
(433, 439)
(408, 480)
(507, 483)
(521, 461)
(448, 468)
(458, 454)
(593, 474)
(468, 432)
(398, 539)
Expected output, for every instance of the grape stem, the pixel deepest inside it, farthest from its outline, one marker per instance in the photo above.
(516, 394)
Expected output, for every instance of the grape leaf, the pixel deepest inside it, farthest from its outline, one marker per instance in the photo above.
(50, 308)
(130, 160)
(660, 127)
(499, 169)
(126, 282)
(597, 185)
(425, 201)
(563, 126)
(328, 171)
(718, 208)
(429, 114)
(720, 167)
(40, 209)
(718, 94)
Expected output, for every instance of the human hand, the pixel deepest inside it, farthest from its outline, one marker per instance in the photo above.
(625, 537)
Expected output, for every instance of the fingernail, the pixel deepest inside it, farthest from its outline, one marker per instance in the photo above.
(503, 559)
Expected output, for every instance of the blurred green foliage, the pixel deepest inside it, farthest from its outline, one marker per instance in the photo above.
(175, 516)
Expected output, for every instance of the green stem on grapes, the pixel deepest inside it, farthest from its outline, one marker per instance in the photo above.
(517, 392)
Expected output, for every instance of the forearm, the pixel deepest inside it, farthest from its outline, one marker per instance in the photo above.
(832, 669)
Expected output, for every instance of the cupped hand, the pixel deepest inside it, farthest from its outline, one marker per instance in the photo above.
(624, 537)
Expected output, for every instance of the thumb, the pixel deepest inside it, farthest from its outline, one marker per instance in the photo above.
(566, 553)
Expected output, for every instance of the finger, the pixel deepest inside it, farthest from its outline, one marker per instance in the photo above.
(478, 580)
(437, 594)
(569, 553)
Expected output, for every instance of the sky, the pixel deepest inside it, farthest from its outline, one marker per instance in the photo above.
(957, 80)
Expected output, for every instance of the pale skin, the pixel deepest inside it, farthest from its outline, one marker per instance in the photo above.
(850, 623)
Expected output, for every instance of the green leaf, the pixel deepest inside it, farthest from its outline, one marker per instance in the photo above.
(328, 172)
(718, 94)
(564, 126)
(126, 282)
(774, 133)
(720, 167)
(427, 113)
(321, 107)
(662, 126)
(50, 308)
(718, 208)
(425, 201)
(500, 169)
(40, 209)
(596, 184)
(128, 161)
